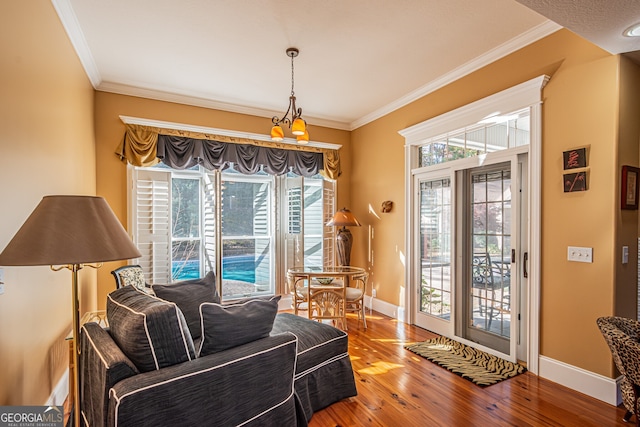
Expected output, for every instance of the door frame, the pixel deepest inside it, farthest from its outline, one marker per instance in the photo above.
(524, 95)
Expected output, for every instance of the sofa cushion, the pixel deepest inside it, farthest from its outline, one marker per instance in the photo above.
(317, 342)
(188, 295)
(151, 332)
(226, 326)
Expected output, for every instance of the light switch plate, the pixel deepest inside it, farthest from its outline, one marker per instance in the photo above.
(625, 254)
(579, 254)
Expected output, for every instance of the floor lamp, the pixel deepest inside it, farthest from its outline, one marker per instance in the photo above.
(70, 232)
(343, 218)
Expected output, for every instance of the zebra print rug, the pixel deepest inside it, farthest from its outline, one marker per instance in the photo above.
(477, 366)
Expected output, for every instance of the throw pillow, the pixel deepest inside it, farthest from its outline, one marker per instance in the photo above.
(188, 295)
(151, 332)
(227, 326)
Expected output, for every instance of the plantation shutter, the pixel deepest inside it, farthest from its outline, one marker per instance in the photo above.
(209, 222)
(329, 233)
(262, 231)
(151, 222)
(313, 217)
(293, 235)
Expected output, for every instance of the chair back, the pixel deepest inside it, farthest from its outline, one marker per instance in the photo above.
(129, 275)
(621, 335)
(489, 274)
(360, 282)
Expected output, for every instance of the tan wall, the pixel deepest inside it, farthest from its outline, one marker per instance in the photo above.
(47, 147)
(111, 173)
(580, 108)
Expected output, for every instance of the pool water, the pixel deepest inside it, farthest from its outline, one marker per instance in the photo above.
(241, 267)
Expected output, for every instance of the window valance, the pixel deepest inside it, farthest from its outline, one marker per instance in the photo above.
(147, 146)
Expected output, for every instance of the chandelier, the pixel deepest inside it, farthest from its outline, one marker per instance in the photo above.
(296, 122)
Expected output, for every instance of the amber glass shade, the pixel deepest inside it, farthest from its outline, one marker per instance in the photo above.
(304, 138)
(298, 127)
(277, 134)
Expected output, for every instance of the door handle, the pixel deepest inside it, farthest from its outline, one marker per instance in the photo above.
(525, 261)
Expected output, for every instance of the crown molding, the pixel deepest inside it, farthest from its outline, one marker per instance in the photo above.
(74, 32)
(209, 103)
(524, 39)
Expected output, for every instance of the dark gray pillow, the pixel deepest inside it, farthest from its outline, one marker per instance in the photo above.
(151, 332)
(227, 326)
(188, 295)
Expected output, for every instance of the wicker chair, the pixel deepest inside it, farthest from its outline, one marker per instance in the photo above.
(355, 296)
(622, 336)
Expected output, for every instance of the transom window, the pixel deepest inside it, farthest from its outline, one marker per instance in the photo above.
(494, 133)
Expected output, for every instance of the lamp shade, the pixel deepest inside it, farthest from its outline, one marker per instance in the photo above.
(304, 138)
(277, 134)
(343, 218)
(69, 230)
(298, 126)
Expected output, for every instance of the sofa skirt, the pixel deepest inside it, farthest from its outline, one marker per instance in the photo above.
(324, 385)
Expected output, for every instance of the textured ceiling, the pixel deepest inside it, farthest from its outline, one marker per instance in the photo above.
(359, 59)
(600, 21)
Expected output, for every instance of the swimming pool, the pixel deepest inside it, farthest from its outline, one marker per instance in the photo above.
(239, 267)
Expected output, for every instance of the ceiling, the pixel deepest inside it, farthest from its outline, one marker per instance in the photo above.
(359, 59)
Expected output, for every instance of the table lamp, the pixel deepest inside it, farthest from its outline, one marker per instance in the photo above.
(70, 232)
(343, 218)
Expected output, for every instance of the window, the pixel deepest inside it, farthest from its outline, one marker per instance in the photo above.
(494, 133)
(182, 221)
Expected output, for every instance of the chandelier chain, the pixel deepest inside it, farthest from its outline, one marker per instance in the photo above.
(292, 80)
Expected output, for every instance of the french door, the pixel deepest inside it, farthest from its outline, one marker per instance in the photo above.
(472, 222)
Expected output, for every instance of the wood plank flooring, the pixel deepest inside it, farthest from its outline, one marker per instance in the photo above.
(398, 388)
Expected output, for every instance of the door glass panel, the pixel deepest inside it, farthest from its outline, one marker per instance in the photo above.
(490, 308)
(246, 238)
(435, 248)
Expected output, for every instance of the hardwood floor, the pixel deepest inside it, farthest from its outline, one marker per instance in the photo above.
(398, 388)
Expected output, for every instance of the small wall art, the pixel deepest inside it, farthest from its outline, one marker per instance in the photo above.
(575, 181)
(629, 188)
(574, 159)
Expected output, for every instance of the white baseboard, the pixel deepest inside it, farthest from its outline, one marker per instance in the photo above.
(60, 391)
(385, 308)
(589, 383)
